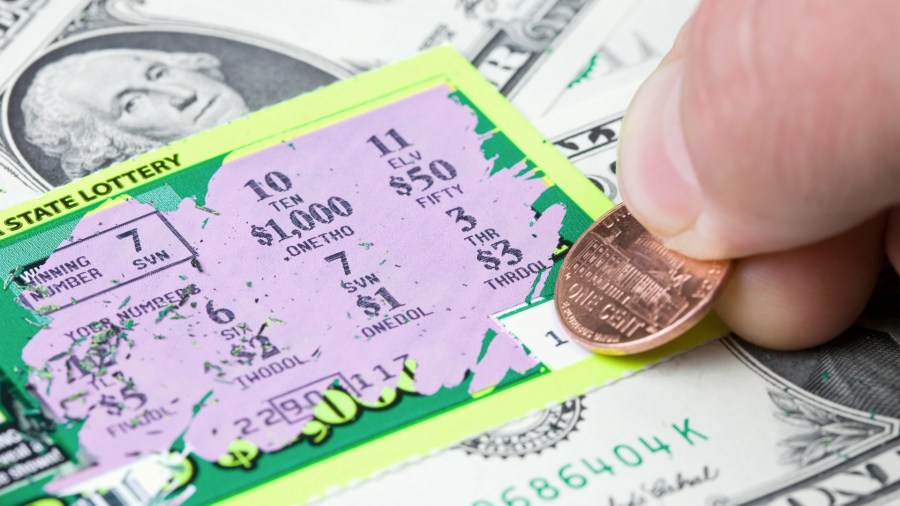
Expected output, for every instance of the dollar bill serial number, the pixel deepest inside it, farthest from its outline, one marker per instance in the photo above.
(574, 477)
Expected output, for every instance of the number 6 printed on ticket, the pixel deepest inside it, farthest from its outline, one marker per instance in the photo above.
(292, 301)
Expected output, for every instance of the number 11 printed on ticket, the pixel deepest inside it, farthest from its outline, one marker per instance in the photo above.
(292, 301)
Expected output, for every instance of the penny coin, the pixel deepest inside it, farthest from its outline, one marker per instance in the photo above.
(620, 291)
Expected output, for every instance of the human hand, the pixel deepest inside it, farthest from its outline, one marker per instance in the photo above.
(771, 134)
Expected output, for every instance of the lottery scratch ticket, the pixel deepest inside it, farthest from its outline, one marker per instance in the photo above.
(294, 300)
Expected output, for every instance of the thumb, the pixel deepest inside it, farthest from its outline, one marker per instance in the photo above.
(771, 125)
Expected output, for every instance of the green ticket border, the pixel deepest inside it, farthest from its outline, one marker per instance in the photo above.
(331, 105)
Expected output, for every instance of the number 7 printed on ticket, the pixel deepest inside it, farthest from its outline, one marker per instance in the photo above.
(292, 301)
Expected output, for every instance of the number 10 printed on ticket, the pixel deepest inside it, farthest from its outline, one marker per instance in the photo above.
(295, 300)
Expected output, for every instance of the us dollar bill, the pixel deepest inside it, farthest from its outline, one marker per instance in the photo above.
(631, 52)
(724, 424)
(85, 84)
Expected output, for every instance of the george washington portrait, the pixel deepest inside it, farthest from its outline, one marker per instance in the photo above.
(97, 101)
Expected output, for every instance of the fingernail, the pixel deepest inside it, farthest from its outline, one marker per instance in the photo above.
(656, 175)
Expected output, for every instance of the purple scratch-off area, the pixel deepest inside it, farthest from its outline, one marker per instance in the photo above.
(314, 271)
